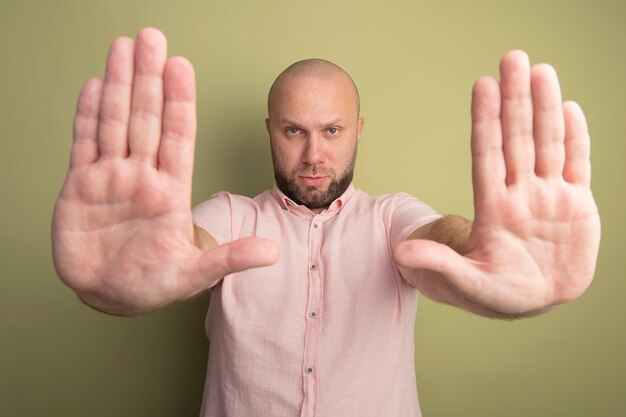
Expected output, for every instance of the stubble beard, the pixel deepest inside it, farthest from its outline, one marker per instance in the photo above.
(313, 196)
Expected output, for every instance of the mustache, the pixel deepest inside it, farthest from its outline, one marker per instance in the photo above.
(312, 170)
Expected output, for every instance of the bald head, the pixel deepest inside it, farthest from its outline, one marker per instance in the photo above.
(319, 69)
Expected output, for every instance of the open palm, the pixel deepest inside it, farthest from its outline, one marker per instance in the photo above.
(535, 236)
(123, 235)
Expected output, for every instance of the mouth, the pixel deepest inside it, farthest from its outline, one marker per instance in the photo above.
(312, 180)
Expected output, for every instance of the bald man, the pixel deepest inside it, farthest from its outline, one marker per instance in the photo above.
(314, 282)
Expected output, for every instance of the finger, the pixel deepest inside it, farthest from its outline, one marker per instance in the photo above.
(237, 256)
(548, 124)
(85, 145)
(179, 119)
(437, 257)
(577, 168)
(517, 116)
(428, 254)
(144, 131)
(488, 169)
(116, 97)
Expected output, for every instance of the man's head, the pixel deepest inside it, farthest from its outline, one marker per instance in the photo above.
(314, 128)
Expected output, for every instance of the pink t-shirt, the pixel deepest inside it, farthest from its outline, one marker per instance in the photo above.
(327, 331)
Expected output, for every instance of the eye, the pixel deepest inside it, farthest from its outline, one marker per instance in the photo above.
(333, 131)
(292, 131)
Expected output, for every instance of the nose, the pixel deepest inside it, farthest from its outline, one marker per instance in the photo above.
(313, 152)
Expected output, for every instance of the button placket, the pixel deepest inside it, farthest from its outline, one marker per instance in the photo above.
(313, 324)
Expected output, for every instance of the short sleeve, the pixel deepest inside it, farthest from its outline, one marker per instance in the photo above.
(214, 216)
(408, 214)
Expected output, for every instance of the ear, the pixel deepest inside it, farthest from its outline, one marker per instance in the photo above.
(267, 125)
(359, 129)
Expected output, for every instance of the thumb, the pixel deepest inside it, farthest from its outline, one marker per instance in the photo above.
(242, 254)
(436, 257)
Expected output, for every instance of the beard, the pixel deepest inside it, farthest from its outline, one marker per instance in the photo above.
(313, 196)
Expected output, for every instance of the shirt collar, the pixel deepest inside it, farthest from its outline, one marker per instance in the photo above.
(288, 204)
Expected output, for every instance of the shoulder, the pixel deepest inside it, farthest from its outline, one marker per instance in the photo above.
(226, 200)
(224, 214)
(391, 203)
(398, 211)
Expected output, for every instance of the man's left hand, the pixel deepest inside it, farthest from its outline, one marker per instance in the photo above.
(536, 233)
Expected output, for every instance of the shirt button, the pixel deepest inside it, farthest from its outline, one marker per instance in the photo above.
(315, 226)
(313, 314)
(309, 370)
(313, 267)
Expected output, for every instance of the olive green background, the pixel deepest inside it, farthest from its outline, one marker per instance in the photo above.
(415, 62)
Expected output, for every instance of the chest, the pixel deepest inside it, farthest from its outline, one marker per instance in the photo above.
(326, 263)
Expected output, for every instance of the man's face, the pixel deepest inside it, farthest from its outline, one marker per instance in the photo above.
(314, 130)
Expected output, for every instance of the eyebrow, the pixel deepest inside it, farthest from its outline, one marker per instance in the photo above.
(331, 123)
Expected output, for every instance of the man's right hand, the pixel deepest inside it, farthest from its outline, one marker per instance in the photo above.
(122, 232)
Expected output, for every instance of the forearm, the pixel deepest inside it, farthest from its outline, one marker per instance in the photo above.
(202, 239)
(450, 230)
